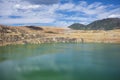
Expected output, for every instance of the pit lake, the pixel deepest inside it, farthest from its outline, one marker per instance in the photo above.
(60, 61)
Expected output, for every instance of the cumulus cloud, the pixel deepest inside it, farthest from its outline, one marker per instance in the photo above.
(56, 14)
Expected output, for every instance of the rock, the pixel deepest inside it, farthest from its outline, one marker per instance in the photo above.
(8, 31)
(1, 40)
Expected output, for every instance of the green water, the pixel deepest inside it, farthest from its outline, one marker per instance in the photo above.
(60, 62)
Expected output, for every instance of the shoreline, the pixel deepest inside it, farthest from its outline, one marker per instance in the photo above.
(39, 35)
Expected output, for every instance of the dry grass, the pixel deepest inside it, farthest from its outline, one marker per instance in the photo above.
(111, 36)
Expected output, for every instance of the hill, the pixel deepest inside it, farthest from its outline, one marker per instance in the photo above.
(77, 26)
(104, 24)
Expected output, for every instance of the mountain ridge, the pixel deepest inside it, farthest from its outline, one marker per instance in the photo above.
(104, 24)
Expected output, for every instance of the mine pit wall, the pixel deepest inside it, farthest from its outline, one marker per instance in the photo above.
(32, 39)
(19, 36)
(14, 40)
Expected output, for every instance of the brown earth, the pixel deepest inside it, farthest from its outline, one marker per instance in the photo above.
(37, 35)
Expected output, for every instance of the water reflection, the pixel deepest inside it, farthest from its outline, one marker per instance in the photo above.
(60, 62)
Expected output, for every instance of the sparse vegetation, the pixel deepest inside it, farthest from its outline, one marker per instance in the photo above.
(34, 27)
(77, 26)
(51, 32)
(104, 24)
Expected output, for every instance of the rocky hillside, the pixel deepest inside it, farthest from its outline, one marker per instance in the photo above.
(38, 35)
(32, 34)
(104, 24)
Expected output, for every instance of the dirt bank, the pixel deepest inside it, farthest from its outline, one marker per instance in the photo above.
(38, 35)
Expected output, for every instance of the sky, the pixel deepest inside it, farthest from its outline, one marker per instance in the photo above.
(60, 13)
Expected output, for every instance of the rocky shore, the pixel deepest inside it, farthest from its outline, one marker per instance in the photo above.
(37, 35)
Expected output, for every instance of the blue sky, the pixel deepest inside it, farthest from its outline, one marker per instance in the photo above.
(61, 13)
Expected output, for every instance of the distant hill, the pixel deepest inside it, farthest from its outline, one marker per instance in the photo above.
(104, 24)
(77, 26)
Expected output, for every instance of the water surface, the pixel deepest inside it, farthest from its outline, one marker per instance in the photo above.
(60, 62)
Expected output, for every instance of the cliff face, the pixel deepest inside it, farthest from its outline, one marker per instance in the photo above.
(37, 35)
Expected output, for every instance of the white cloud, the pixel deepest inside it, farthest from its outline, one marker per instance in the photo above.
(18, 6)
(26, 20)
(91, 9)
(56, 14)
(66, 6)
(47, 2)
(114, 15)
(109, 13)
(63, 23)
